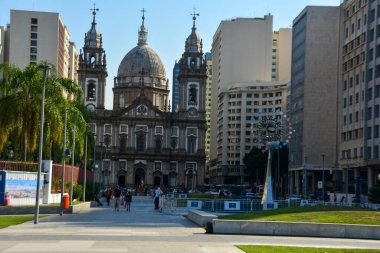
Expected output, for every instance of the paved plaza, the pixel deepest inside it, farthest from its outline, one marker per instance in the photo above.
(141, 230)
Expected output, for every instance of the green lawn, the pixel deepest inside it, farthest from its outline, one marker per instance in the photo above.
(280, 249)
(317, 214)
(6, 221)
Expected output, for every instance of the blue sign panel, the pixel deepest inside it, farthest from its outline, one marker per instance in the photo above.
(194, 203)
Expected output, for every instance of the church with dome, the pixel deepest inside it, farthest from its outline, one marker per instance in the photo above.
(141, 143)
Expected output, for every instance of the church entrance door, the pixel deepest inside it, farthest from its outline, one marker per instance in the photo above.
(139, 179)
(122, 181)
(157, 181)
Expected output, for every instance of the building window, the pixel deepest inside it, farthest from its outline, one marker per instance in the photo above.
(33, 35)
(158, 144)
(34, 28)
(33, 50)
(34, 21)
(157, 166)
(33, 57)
(33, 43)
(140, 142)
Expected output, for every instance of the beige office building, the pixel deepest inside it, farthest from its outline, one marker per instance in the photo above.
(38, 36)
(241, 53)
(359, 96)
(236, 133)
(246, 56)
(281, 54)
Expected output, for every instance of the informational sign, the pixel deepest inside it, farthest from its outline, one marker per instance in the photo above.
(22, 185)
(232, 205)
(194, 204)
(182, 196)
(170, 195)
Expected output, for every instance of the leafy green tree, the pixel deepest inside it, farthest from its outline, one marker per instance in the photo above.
(255, 162)
(374, 194)
(20, 104)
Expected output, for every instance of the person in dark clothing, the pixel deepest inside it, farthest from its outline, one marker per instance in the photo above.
(128, 200)
(108, 195)
(97, 201)
(117, 194)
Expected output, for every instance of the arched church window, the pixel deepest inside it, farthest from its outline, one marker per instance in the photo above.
(193, 95)
(121, 101)
(193, 63)
(140, 142)
(158, 144)
(173, 143)
(123, 143)
(92, 60)
(191, 144)
(91, 92)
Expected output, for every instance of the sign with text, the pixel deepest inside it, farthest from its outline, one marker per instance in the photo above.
(232, 205)
(194, 204)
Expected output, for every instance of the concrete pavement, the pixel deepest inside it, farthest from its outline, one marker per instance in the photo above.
(141, 230)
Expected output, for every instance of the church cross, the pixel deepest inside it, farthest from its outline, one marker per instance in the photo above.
(194, 16)
(143, 17)
(94, 10)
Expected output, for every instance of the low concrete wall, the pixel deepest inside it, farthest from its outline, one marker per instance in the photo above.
(80, 207)
(296, 229)
(44, 209)
(201, 218)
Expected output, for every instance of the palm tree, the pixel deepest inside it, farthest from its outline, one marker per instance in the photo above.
(20, 108)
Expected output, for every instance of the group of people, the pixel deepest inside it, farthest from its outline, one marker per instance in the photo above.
(120, 198)
(125, 199)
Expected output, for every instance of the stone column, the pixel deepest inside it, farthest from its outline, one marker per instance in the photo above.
(297, 181)
(291, 182)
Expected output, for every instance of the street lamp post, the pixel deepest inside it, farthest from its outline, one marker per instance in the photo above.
(64, 155)
(94, 166)
(323, 177)
(45, 68)
(305, 178)
(85, 167)
(72, 160)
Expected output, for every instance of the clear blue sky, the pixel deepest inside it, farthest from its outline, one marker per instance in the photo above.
(168, 22)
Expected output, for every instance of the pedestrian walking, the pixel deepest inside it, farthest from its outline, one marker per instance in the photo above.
(128, 200)
(108, 195)
(117, 194)
(157, 194)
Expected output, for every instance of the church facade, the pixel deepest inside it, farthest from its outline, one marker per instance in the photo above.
(140, 142)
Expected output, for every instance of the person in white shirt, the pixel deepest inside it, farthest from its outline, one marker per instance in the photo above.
(157, 194)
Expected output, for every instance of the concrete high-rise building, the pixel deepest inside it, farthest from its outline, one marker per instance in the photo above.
(246, 57)
(281, 54)
(208, 59)
(314, 88)
(2, 44)
(38, 36)
(175, 89)
(359, 93)
(73, 62)
(241, 53)
(235, 133)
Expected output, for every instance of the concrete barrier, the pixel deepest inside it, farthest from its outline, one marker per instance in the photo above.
(44, 209)
(296, 229)
(201, 218)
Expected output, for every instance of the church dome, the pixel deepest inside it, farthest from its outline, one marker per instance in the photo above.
(139, 58)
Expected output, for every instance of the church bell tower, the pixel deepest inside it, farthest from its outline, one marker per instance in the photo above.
(92, 70)
(192, 75)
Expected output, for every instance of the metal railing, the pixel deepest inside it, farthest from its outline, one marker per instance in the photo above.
(246, 205)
